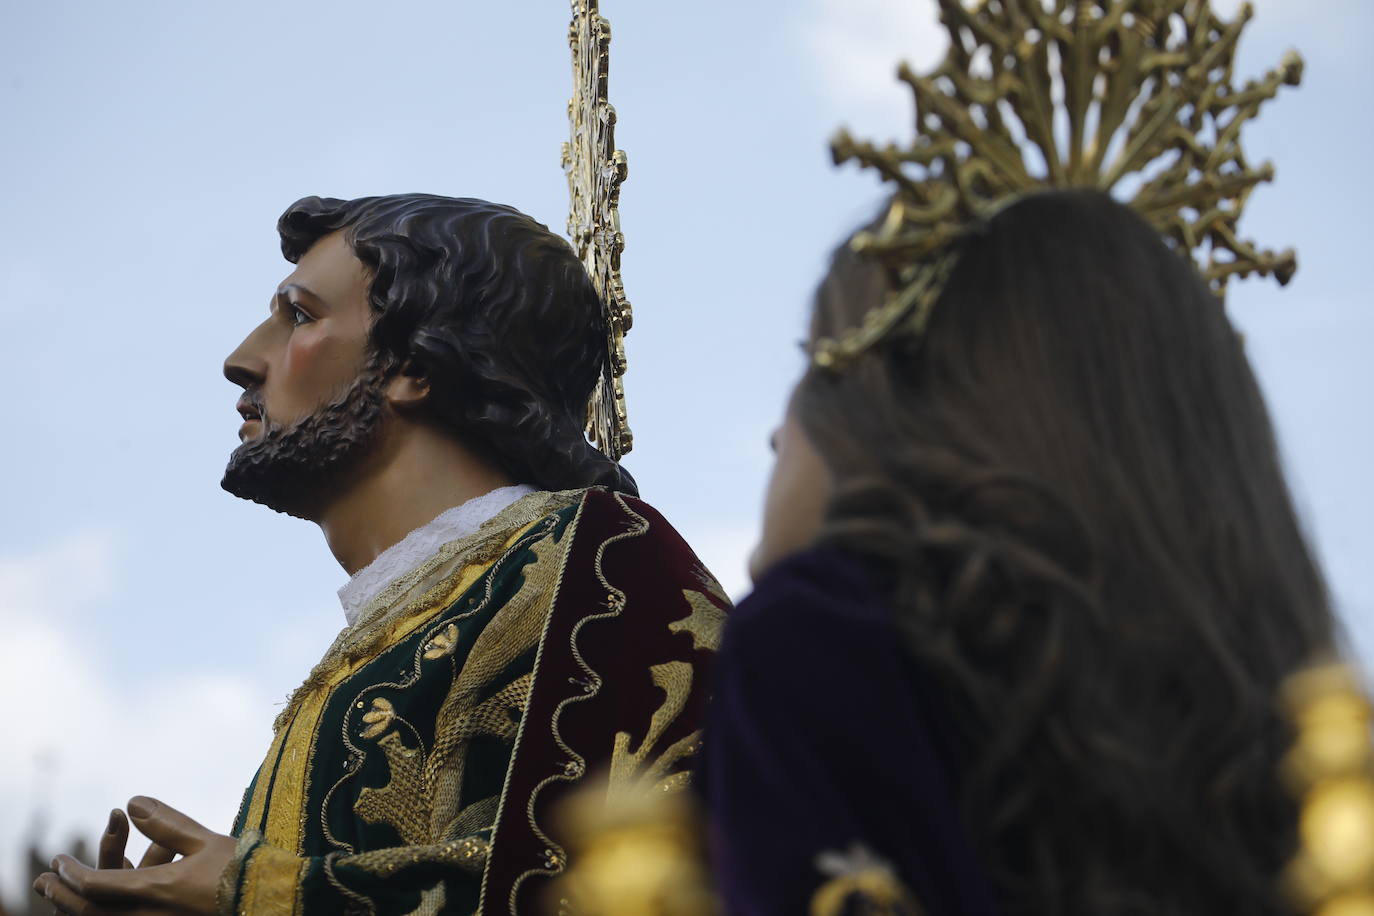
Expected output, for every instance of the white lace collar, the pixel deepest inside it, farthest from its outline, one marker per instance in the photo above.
(415, 548)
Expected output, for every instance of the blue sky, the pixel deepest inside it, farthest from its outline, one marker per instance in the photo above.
(149, 147)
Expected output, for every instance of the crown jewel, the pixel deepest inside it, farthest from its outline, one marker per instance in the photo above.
(1132, 96)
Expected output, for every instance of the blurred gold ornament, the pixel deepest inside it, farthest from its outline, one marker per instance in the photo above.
(633, 853)
(860, 881)
(595, 170)
(1349, 905)
(1331, 766)
(1136, 96)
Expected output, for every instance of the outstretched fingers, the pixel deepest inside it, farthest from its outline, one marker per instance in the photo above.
(167, 827)
(63, 899)
(114, 885)
(157, 854)
(113, 841)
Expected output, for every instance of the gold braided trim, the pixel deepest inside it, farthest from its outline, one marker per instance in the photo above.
(262, 788)
(271, 884)
(227, 891)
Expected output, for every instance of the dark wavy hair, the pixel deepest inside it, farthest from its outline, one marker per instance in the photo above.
(1074, 476)
(494, 310)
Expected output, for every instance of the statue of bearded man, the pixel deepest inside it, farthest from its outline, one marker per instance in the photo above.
(519, 623)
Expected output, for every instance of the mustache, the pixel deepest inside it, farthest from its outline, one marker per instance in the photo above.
(252, 400)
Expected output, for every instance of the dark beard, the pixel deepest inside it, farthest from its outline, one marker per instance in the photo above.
(296, 469)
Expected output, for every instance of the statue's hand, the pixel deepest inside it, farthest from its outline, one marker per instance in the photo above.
(114, 840)
(159, 885)
(111, 855)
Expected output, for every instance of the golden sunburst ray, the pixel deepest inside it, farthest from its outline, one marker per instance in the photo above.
(1135, 97)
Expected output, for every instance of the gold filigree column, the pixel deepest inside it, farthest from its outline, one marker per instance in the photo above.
(595, 170)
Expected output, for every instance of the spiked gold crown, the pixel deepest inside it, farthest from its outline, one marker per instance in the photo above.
(1132, 96)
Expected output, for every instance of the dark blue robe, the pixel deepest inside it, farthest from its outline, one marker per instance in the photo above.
(826, 759)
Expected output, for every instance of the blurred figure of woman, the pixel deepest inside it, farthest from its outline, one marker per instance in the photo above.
(1030, 576)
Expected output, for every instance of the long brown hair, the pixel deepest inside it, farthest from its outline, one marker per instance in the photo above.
(1074, 475)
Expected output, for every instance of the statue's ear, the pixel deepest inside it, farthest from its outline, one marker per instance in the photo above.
(408, 388)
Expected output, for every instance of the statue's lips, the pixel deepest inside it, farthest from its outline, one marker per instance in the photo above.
(249, 408)
(252, 417)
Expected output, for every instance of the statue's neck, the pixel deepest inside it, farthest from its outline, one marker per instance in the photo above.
(416, 476)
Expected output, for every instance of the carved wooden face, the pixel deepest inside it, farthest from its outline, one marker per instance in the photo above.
(311, 405)
(798, 492)
(313, 344)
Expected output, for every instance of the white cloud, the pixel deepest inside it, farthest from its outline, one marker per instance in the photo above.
(90, 737)
(856, 45)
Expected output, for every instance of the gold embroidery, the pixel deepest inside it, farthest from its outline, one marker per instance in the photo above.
(401, 802)
(570, 535)
(226, 893)
(476, 816)
(488, 543)
(379, 718)
(443, 644)
(271, 882)
(407, 802)
(422, 797)
(361, 902)
(615, 605)
(513, 631)
(459, 565)
(432, 587)
(704, 623)
(498, 715)
(474, 606)
(709, 583)
(431, 901)
(469, 854)
(286, 807)
(635, 768)
(262, 789)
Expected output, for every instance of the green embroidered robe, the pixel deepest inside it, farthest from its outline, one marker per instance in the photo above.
(414, 770)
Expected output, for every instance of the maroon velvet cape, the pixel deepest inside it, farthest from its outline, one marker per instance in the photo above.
(619, 612)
